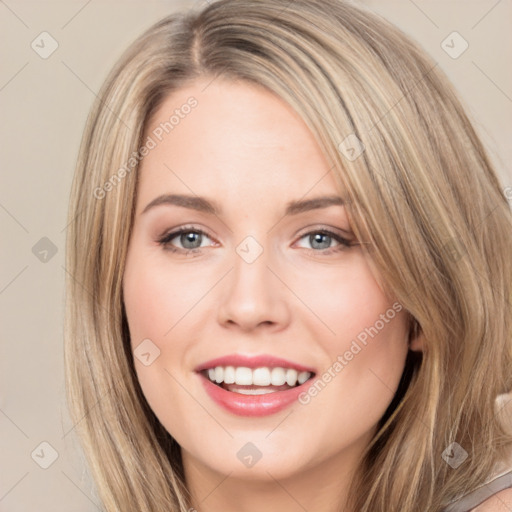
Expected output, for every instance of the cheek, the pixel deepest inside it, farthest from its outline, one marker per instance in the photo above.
(160, 303)
(372, 334)
(154, 304)
(365, 348)
(156, 299)
(348, 302)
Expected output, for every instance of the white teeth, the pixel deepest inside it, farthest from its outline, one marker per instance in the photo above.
(278, 376)
(229, 375)
(261, 377)
(260, 391)
(303, 377)
(243, 376)
(291, 377)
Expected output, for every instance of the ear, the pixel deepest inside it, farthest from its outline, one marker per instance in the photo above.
(416, 337)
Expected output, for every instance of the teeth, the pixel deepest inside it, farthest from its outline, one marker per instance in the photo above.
(291, 377)
(243, 376)
(278, 376)
(260, 391)
(261, 377)
(229, 375)
(303, 377)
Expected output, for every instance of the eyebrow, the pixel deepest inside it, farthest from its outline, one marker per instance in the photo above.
(201, 204)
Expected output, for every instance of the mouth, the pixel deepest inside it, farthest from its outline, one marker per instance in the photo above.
(256, 385)
(257, 381)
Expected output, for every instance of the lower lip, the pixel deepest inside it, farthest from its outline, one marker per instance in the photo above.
(253, 405)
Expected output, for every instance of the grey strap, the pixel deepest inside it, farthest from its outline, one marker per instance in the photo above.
(477, 497)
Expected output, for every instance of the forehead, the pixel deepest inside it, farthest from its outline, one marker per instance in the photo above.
(238, 138)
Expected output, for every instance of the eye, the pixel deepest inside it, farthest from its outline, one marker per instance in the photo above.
(321, 241)
(190, 239)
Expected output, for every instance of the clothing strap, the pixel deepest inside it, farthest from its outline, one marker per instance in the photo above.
(478, 496)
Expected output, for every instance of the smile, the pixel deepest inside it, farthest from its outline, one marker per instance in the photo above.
(256, 381)
(254, 386)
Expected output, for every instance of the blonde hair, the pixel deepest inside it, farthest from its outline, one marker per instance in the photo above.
(422, 194)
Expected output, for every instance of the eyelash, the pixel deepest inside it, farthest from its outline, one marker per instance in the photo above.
(165, 240)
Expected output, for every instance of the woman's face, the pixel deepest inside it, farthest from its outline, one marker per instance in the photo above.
(260, 287)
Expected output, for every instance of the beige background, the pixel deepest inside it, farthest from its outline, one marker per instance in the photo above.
(44, 103)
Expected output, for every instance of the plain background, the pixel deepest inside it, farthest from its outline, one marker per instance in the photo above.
(44, 105)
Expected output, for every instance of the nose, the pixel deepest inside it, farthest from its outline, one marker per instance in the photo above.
(253, 296)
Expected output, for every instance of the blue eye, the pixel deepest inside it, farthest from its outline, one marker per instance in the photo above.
(191, 241)
(321, 241)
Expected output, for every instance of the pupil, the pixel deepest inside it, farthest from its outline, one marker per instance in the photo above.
(318, 238)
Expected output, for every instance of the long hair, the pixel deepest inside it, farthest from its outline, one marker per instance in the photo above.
(421, 192)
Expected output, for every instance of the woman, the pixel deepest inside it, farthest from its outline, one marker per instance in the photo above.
(291, 273)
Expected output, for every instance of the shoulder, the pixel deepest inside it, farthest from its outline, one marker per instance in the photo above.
(500, 502)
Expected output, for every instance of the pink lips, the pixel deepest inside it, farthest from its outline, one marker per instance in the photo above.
(252, 405)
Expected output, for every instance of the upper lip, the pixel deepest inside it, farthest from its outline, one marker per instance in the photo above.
(253, 361)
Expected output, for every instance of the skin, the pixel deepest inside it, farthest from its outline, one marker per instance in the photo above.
(500, 502)
(246, 149)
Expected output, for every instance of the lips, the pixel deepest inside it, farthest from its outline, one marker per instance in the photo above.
(254, 385)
